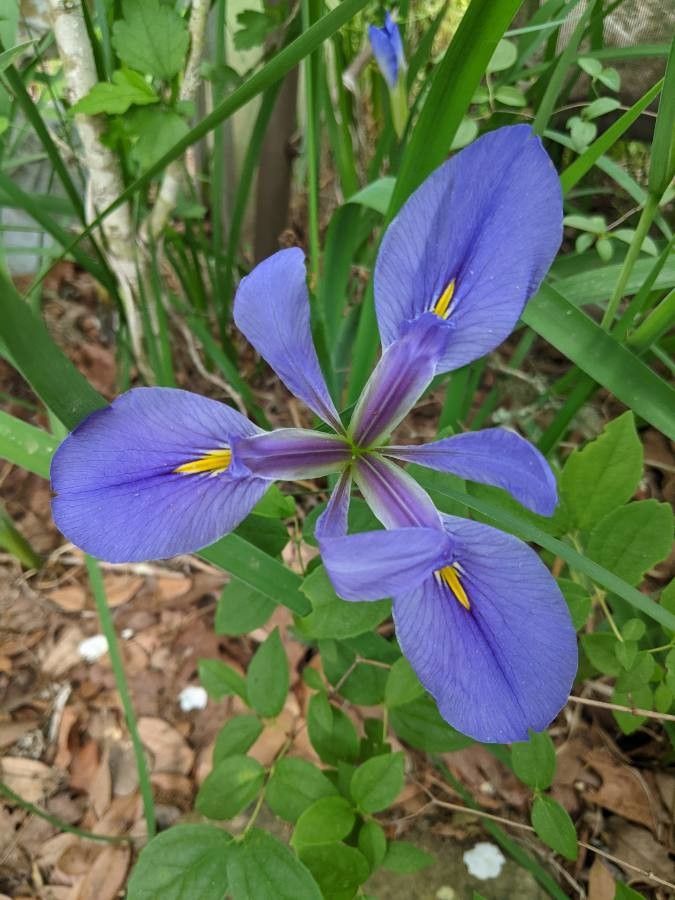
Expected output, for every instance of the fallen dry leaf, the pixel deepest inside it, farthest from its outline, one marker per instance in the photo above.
(169, 749)
(63, 653)
(11, 732)
(120, 589)
(70, 598)
(637, 846)
(105, 878)
(624, 790)
(601, 885)
(29, 778)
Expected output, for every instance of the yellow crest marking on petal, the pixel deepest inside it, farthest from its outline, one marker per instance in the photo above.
(442, 305)
(213, 461)
(451, 577)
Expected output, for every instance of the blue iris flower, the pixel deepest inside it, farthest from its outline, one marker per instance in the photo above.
(163, 471)
(388, 49)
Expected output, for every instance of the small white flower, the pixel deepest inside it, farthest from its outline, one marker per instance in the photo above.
(93, 648)
(484, 860)
(192, 697)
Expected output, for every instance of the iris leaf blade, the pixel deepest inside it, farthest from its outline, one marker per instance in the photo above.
(25, 445)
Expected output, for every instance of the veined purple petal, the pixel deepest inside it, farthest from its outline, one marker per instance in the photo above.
(400, 378)
(333, 520)
(272, 309)
(474, 241)
(387, 49)
(293, 453)
(395, 497)
(504, 665)
(119, 495)
(377, 564)
(494, 456)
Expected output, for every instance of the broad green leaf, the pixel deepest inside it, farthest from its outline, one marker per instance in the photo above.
(466, 132)
(639, 698)
(633, 629)
(591, 66)
(241, 609)
(267, 677)
(553, 825)
(335, 740)
(25, 445)
(221, 680)
(534, 760)
(610, 78)
(275, 504)
(373, 843)
(270, 535)
(338, 869)
(254, 28)
(294, 786)
(510, 96)
(236, 737)
(578, 600)
(600, 648)
(403, 685)
(419, 724)
(360, 682)
(631, 539)
(604, 474)
(376, 195)
(128, 88)
(260, 866)
(601, 107)
(234, 783)
(623, 892)
(504, 56)
(403, 857)
(333, 617)
(326, 821)
(377, 782)
(156, 131)
(151, 38)
(185, 861)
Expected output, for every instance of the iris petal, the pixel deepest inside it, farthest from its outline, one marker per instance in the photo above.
(272, 309)
(494, 456)
(508, 663)
(120, 494)
(489, 219)
(333, 520)
(293, 453)
(395, 497)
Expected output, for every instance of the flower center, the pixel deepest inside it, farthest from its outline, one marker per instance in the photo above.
(211, 461)
(450, 576)
(442, 306)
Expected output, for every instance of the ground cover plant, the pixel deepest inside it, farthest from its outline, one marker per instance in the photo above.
(336, 359)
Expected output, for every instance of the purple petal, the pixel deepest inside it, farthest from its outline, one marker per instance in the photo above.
(272, 309)
(395, 497)
(394, 34)
(385, 53)
(505, 665)
(377, 564)
(400, 378)
(293, 453)
(119, 496)
(333, 520)
(489, 220)
(494, 456)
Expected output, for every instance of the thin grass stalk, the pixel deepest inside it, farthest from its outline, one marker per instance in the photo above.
(312, 148)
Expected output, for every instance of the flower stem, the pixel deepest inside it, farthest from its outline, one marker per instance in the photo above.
(108, 628)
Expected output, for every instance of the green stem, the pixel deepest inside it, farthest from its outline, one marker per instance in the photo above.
(311, 151)
(656, 324)
(649, 210)
(59, 823)
(108, 629)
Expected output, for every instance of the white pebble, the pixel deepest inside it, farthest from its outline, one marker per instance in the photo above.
(484, 860)
(93, 648)
(192, 697)
(127, 634)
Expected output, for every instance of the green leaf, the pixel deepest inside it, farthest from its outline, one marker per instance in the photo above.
(326, 821)
(241, 609)
(230, 787)
(260, 867)
(419, 724)
(601, 107)
(605, 249)
(403, 685)
(221, 680)
(275, 504)
(334, 741)
(236, 737)
(592, 67)
(534, 760)
(376, 195)
(184, 861)
(504, 56)
(255, 26)
(662, 156)
(333, 617)
(582, 133)
(604, 474)
(128, 88)
(403, 857)
(630, 540)
(623, 892)
(553, 825)
(270, 535)
(338, 869)
(610, 78)
(156, 130)
(294, 786)
(638, 697)
(467, 130)
(267, 677)
(578, 601)
(151, 37)
(378, 782)
(510, 96)
(601, 652)
(373, 843)
(26, 446)
(633, 630)
(361, 682)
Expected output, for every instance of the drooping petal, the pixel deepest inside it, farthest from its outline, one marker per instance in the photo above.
(153, 475)
(395, 497)
(387, 49)
(272, 309)
(377, 564)
(473, 242)
(400, 378)
(333, 520)
(494, 456)
(507, 663)
(293, 453)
